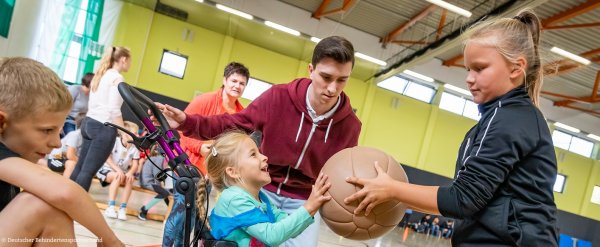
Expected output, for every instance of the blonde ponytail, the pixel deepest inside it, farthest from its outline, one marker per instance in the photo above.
(534, 74)
(514, 37)
(201, 198)
(112, 54)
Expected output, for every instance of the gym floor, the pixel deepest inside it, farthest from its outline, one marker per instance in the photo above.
(134, 232)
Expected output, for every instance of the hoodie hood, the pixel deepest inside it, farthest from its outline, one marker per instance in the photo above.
(299, 88)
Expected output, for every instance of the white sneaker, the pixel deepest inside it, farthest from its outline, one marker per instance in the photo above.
(110, 212)
(122, 214)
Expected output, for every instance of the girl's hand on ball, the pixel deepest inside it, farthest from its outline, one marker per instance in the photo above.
(374, 191)
(317, 196)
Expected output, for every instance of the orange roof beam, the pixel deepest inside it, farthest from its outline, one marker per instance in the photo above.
(593, 98)
(597, 113)
(410, 42)
(575, 11)
(404, 26)
(565, 65)
(585, 25)
(441, 25)
(322, 10)
(595, 88)
(453, 61)
(584, 99)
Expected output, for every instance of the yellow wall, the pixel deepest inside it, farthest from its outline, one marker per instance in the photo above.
(414, 133)
(132, 32)
(578, 170)
(589, 209)
(449, 129)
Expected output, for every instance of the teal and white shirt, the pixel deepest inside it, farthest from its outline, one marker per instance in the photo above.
(239, 217)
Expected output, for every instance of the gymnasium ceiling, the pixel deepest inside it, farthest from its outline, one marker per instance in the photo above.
(408, 33)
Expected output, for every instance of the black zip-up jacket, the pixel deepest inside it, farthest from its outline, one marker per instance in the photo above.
(506, 168)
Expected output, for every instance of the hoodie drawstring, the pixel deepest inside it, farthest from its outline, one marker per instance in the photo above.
(328, 128)
(300, 126)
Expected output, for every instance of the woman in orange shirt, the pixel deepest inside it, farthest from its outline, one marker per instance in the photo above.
(223, 100)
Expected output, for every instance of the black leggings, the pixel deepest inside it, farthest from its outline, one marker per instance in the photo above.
(98, 143)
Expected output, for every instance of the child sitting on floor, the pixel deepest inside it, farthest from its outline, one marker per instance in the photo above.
(149, 180)
(119, 170)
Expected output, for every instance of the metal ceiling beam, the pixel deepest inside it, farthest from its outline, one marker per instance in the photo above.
(448, 42)
(560, 17)
(322, 10)
(406, 25)
(573, 12)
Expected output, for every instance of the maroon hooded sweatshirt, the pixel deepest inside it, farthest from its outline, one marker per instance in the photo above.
(296, 147)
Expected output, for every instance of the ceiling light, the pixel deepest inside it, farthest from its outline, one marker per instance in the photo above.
(419, 76)
(370, 59)
(200, 1)
(457, 89)
(451, 7)
(315, 39)
(282, 28)
(569, 55)
(595, 137)
(234, 11)
(566, 127)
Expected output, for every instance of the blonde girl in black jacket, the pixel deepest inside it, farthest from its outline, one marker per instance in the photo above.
(506, 166)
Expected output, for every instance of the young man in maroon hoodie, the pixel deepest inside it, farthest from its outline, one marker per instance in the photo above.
(303, 123)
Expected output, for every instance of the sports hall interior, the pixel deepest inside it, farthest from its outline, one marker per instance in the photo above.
(407, 86)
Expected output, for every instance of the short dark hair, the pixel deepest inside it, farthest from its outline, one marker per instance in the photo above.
(87, 79)
(235, 67)
(336, 47)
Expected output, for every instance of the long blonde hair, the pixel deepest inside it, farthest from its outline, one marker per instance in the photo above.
(224, 153)
(514, 37)
(112, 55)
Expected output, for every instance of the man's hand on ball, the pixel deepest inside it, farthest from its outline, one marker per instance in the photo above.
(374, 191)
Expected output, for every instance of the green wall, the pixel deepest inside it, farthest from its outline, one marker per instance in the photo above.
(415, 133)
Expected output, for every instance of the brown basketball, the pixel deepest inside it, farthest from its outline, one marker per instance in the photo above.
(359, 162)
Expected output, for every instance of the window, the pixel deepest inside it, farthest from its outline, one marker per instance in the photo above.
(559, 184)
(459, 105)
(173, 64)
(255, 88)
(561, 139)
(409, 88)
(420, 92)
(74, 51)
(79, 31)
(596, 195)
(471, 110)
(394, 84)
(581, 146)
(572, 143)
